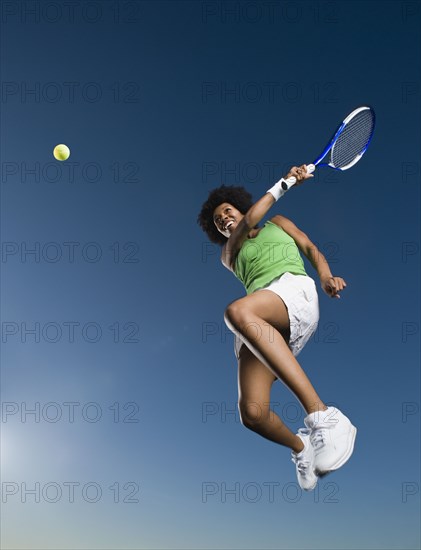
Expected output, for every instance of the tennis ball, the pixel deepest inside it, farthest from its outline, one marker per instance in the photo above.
(61, 152)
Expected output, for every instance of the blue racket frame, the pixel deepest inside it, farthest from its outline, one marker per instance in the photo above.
(338, 133)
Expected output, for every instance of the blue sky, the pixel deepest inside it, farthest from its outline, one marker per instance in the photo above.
(112, 328)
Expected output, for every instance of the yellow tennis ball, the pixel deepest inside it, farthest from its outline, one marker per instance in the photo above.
(61, 152)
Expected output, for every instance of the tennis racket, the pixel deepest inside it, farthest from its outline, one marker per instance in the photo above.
(348, 144)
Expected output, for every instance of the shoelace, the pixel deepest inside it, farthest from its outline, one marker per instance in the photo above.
(319, 434)
(302, 465)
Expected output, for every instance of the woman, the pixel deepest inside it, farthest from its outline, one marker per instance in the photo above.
(275, 320)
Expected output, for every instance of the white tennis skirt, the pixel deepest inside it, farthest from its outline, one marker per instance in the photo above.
(300, 297)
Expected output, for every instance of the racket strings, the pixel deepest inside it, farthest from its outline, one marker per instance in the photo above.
(353, 139)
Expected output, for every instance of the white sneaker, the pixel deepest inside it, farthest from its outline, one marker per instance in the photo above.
(332, 438)
(304, 461)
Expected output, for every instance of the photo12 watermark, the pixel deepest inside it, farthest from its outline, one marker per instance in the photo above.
(409, 490)
(226, 92)
(72, 92)
(410, 11)
(274, 251)
(410, 92)
(69, 252)
(410, 411)
(255, 12)
(69, 332)
(327, 332)
(70, 412)
(264, 492)
(224, 412)
(410, 252)
(53, 492)
(223, 172)
(74, 12)
(69, 172)
(410, 172)
(409, 331)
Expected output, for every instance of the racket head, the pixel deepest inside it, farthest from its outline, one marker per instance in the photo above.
(350, 140)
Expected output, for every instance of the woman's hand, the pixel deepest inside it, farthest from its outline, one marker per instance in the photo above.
(300, 173)
(332, 286)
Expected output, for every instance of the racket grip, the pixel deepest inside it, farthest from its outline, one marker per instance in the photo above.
(289, 182)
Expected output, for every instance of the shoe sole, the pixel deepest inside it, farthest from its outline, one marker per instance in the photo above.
(308, 488)
(345, 457)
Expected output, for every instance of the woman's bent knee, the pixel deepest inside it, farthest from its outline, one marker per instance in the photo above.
(252, 414)
(235, 315)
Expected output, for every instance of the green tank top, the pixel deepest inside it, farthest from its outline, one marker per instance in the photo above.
(266, 257)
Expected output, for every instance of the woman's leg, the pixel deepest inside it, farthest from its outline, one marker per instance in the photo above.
(261, 320)
(254, 384)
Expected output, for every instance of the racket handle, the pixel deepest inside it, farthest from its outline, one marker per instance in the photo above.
(288, 183)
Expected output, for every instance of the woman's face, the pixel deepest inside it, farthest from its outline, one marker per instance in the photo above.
(226, 218)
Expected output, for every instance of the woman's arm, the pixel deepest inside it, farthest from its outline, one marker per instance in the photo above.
(330, 284)
(253, 217)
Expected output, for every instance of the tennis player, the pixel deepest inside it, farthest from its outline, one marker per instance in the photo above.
(275, 320)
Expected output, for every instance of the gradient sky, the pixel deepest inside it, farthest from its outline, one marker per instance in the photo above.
(129, 367)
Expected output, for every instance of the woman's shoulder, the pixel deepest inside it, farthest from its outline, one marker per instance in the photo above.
(276, 220)
(256, 230)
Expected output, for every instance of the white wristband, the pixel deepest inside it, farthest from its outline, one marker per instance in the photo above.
(277, 190)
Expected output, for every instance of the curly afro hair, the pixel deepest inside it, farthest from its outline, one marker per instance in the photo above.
(239, 197)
